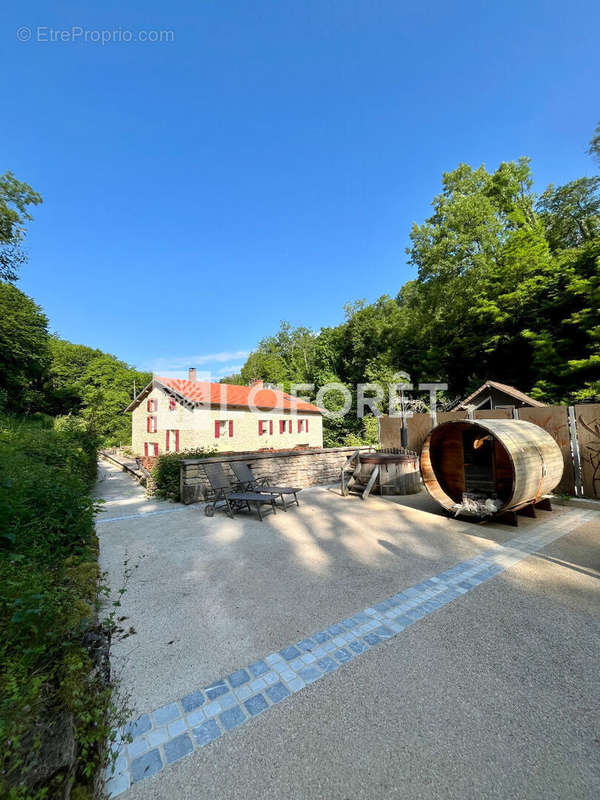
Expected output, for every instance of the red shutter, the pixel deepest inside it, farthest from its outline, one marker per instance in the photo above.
(172, 404)
(231, 429)
(281, 426)
(299, 425)
(307, 426)
(155, 449)
(146, 449)
(167, 441)
(154, 425)
(290, 426)
(217, 429)
(149, 405)
(271, 427)
(176, 441)
(148, 422)
(260, 429)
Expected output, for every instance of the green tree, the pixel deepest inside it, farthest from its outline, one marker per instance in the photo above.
(15, 197)
(106, 388)
(482, 244)
(594, 148)
(571, 213)
(285, 358)
(234, 379)
(62, 386)
(24, 352)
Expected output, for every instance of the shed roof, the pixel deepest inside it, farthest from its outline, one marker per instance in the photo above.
(501, 387)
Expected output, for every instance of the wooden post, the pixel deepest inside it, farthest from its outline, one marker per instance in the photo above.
(371, 482)
(528, 511)
(575, 452)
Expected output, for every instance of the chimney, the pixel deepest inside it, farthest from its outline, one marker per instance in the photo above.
(256, 383)
(192, 374)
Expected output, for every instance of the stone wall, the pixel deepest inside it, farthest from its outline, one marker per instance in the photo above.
(300, 468)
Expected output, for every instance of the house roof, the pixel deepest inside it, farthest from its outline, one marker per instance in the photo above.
(229, 395)
(501, 387)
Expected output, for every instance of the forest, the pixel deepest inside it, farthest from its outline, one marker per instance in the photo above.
(507, 287)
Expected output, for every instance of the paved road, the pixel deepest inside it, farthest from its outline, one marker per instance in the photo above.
(490, 689)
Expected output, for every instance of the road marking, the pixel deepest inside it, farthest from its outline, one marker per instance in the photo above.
(177, 729)
(141, 514)
(132, 496)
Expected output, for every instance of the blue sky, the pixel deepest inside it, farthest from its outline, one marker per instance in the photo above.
(267, 163)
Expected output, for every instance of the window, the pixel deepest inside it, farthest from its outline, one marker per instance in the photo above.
(172, 404)
(172, 441)
(302, 426)
(281, 426)
(150, 449)
(223, 427)
(265, 425)
(152, 405)
(151, 425)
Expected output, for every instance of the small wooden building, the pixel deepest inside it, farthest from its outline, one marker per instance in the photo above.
(497, 395)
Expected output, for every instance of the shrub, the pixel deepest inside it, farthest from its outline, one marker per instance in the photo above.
(165, 472)
(48, 595)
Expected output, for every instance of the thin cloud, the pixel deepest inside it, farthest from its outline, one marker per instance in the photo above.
(232, 369)
(183, 362)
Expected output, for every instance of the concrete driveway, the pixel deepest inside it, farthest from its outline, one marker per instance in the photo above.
(355, 650)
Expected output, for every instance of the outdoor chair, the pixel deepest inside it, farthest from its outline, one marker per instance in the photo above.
(247, 479)
(227, 498)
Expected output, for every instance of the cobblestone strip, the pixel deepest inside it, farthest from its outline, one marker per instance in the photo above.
(174, 731)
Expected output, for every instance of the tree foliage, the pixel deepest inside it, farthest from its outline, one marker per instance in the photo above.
(24, 352)
(507, 288)
(15, 197)
(94, 384)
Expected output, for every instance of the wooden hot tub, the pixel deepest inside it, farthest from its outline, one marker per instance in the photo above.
(384, 473)
(512, 463)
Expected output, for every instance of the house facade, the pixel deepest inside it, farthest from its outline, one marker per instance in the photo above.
(172, 415)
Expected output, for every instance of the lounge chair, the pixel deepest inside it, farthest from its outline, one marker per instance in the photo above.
(249, 482)
(230, 499)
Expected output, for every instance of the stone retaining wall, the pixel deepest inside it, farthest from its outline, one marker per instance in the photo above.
(283, 467)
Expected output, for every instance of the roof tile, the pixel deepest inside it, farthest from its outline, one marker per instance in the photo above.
(227, 394)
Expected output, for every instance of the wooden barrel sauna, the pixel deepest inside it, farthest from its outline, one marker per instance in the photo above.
(511, 462)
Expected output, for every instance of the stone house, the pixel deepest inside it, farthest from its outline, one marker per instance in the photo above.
(172, 415)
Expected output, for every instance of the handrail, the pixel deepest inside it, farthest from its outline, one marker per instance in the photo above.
(345, 469)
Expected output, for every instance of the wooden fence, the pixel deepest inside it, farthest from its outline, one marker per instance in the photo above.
(576, 429)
